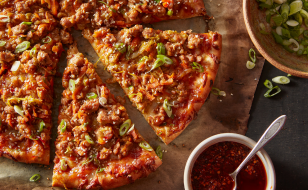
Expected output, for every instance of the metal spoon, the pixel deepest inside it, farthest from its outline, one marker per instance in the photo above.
(270, 132)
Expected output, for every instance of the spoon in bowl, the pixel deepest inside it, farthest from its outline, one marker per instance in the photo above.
(270, 132)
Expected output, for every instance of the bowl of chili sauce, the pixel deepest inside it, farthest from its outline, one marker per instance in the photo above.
(211, 162)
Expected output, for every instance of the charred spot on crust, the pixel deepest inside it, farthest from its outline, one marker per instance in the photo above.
(204, 77)
(215, 37)
(216, 60)
(211, 83)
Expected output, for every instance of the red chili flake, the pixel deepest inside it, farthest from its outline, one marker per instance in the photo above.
(212, 168)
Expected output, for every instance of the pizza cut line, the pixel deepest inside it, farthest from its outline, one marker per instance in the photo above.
(167, 75)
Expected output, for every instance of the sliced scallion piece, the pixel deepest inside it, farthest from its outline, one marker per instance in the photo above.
(63, 165)
(289, 75)
(62, 126)
(145, 146)
(46, 40)
(167, 108)
(143, 59)
(89, 139)
(218, 92)
(250, 65)
(27, 23)
(262, 27)
(42, 125)
(22, 46)
(170, 12)
(18, 110)
(270, 94)
(295, 7)
(277, 19)
(99, 170)
(120, 47)
(292, 23)
(124, 127)
(281, 80)
(268, 84)
(33, 52)
(159, 153)
(198, 67)
(91, 95)
(35, 177)
(161, 50)
(71, 85)
(2, 43)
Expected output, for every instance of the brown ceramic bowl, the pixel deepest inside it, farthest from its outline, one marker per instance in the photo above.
(266, 45)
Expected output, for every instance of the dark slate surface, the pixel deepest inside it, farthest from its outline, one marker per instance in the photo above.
(289, 149)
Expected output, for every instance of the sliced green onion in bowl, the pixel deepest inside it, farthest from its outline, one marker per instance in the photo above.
(18, 110)
(250, 65)
(63, 165)
(280, 1)
(263, 30)
(161, 50)
(292, 23)
(278, 30)
(72, 85)
(62, 126)
(281, 80)
(89, 139)
(296, 43)
(27, 23)
(144, 145)
(46, 40)
(42, 125)
(269, 93)
(2, 43)
(159, 153)
(295, 7)
(91, 95)
(167, 108)
(35, 177)
(15, 66)
(22, 46)
(124, 127)
(268, 84)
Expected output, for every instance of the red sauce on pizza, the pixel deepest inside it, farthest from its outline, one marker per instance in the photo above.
(212, 168)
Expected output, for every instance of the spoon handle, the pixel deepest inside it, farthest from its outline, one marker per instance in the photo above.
(270, 132)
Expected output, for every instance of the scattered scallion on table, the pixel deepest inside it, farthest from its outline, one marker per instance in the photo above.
(35, 177)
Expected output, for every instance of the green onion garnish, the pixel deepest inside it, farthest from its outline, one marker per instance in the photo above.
(295, 7)
(91, 95)
(42, 125)
(35, 177)
(250, 65)
(63, 165)
(62, 126)
(218, 92)
(120, 47)
(46, 40)
(268, 93)
(252, 57)
(143, 59)
(170, 12)
(145, 146)
(268, 84)
(33, 52)
(161, 50)
(129, 52)
(161, 60)
(32, 138)
(18, 110)
(89, 139)
(2, 43)
(198, 67)
(159, 153)
(289, 75)
(281, 80)
(71, 85)
(22, 46)
(167, 108)
(27, 23)
(99, 170)
(124, 127)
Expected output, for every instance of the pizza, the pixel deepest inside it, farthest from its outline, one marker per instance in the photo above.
(30, 48)
(97, 144)
(167, 75)
(122, 13)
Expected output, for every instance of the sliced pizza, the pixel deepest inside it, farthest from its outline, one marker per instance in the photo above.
(30, 48)
(97, 144)
(121, 13)
(166, 74)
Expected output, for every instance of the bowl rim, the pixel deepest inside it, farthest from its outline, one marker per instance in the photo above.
(268, 57)
(264, 157)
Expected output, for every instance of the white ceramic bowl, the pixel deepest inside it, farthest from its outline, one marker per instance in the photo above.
(267, 162)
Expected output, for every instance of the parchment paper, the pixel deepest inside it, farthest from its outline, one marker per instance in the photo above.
(218, 115)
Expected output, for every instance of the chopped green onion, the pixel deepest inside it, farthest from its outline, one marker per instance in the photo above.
(22, 46)
(295, 7)
(143, 59)
(18, 110)
(296, 43)
(289, 75)
(304, 13)
(281, 80)
(159, 153)
(305, 33)
(278, 20)
(280, 1)
(129, 52)
(167, 108)
(33, 52)
(42, 125)
(145, 146)
(71, 85)
(46, 40)
(4, 18)
(198, 67)
(161, 50)
(278, 30)
(170, 12)
(157, 1)
(89, 139)
(252, 57)
(278, 38)
(268, 84)
(27, 23)
(120, 47)
(34, 139)
(99, 170)
(218, 92)
(68, 150)
(62, 126)
(285, 11)
(292, 23)
(262, 27)
(91, 95)
(250, 65)
(165, 59)
(35, 177)
(15, 66)
(286, 33)
(125, 126)
(63, 165)
(2, 43)
(268, 93)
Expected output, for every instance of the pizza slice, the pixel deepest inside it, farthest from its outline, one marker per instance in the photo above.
(30, 48)
(166, 74)
(97, 144)
(121, 13)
